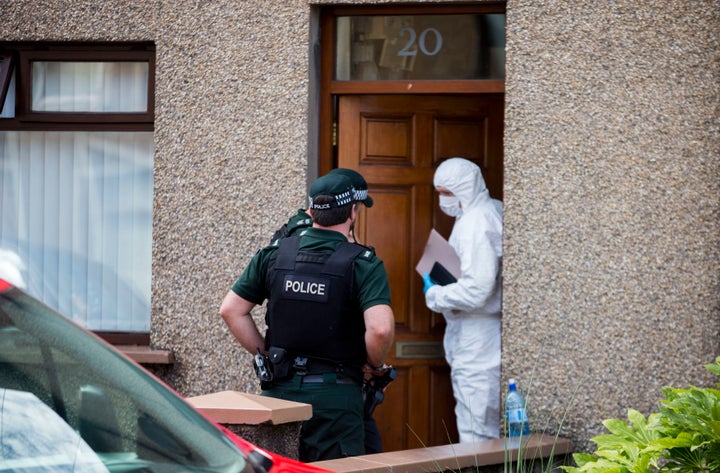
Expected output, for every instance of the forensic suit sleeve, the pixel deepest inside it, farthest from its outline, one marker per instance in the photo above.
(479, 267)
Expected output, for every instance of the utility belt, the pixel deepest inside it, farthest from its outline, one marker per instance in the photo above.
(279, 365)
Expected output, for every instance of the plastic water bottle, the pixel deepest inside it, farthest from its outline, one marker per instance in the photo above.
(515, 412)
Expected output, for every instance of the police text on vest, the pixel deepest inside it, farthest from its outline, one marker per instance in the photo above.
(306, 287)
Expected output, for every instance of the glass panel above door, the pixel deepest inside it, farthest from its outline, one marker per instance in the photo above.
(420, 47)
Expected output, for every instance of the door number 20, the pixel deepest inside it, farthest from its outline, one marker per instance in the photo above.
(409, 50)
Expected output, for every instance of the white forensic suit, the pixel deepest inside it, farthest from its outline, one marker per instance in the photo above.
(472, 305)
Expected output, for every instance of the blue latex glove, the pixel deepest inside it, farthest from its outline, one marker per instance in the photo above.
(428, 282)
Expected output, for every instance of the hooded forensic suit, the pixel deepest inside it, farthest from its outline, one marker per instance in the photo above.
(472, 305)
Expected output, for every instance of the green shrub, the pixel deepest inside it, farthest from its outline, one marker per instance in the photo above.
(683, 437)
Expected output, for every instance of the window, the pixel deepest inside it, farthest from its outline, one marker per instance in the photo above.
(76, 178)
(420, 47)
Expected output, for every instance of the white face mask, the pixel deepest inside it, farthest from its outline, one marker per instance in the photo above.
(450, 205)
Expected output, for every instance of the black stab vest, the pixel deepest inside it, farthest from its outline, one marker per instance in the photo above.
(310, 311)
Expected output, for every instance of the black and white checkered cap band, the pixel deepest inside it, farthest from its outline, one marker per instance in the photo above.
(361, 195)
(341, 200)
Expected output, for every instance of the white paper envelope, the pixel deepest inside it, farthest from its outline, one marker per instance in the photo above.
(438, 250)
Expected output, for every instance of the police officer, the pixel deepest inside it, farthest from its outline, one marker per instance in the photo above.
(328, 314)
(301, 221)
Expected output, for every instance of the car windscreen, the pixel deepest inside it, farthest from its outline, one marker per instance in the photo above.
(128, 418)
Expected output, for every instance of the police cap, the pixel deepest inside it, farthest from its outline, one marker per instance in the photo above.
(337, 186)
(358, 182)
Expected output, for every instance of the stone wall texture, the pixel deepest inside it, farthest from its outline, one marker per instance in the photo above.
(612, 204)
(612, 184)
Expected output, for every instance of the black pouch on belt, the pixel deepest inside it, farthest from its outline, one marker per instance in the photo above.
(280, 361)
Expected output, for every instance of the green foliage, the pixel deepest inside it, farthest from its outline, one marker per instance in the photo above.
(683, 437)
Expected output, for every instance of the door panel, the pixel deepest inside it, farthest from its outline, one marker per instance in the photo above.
(392, 204)
(396, 142)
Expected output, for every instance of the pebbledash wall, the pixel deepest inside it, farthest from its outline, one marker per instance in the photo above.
(612, 183)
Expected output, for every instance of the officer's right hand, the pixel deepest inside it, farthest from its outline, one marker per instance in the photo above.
(427, 282)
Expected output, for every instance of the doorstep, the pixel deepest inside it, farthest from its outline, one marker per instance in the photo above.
(453, 457)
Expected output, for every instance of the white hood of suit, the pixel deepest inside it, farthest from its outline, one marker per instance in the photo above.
(464, 179)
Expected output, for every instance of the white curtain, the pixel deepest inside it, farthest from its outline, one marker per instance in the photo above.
(76, 207)
(89, 86)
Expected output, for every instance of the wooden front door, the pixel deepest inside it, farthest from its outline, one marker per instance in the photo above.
(396, 142)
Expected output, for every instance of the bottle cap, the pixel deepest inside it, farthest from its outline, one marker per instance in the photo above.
(512, 384)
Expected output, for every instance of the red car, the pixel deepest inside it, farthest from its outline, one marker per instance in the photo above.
(71, 402)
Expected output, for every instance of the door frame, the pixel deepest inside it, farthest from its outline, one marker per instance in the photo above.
(326, 92)
(329, 89)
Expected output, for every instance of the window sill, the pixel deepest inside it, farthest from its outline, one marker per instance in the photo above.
(145, 355)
